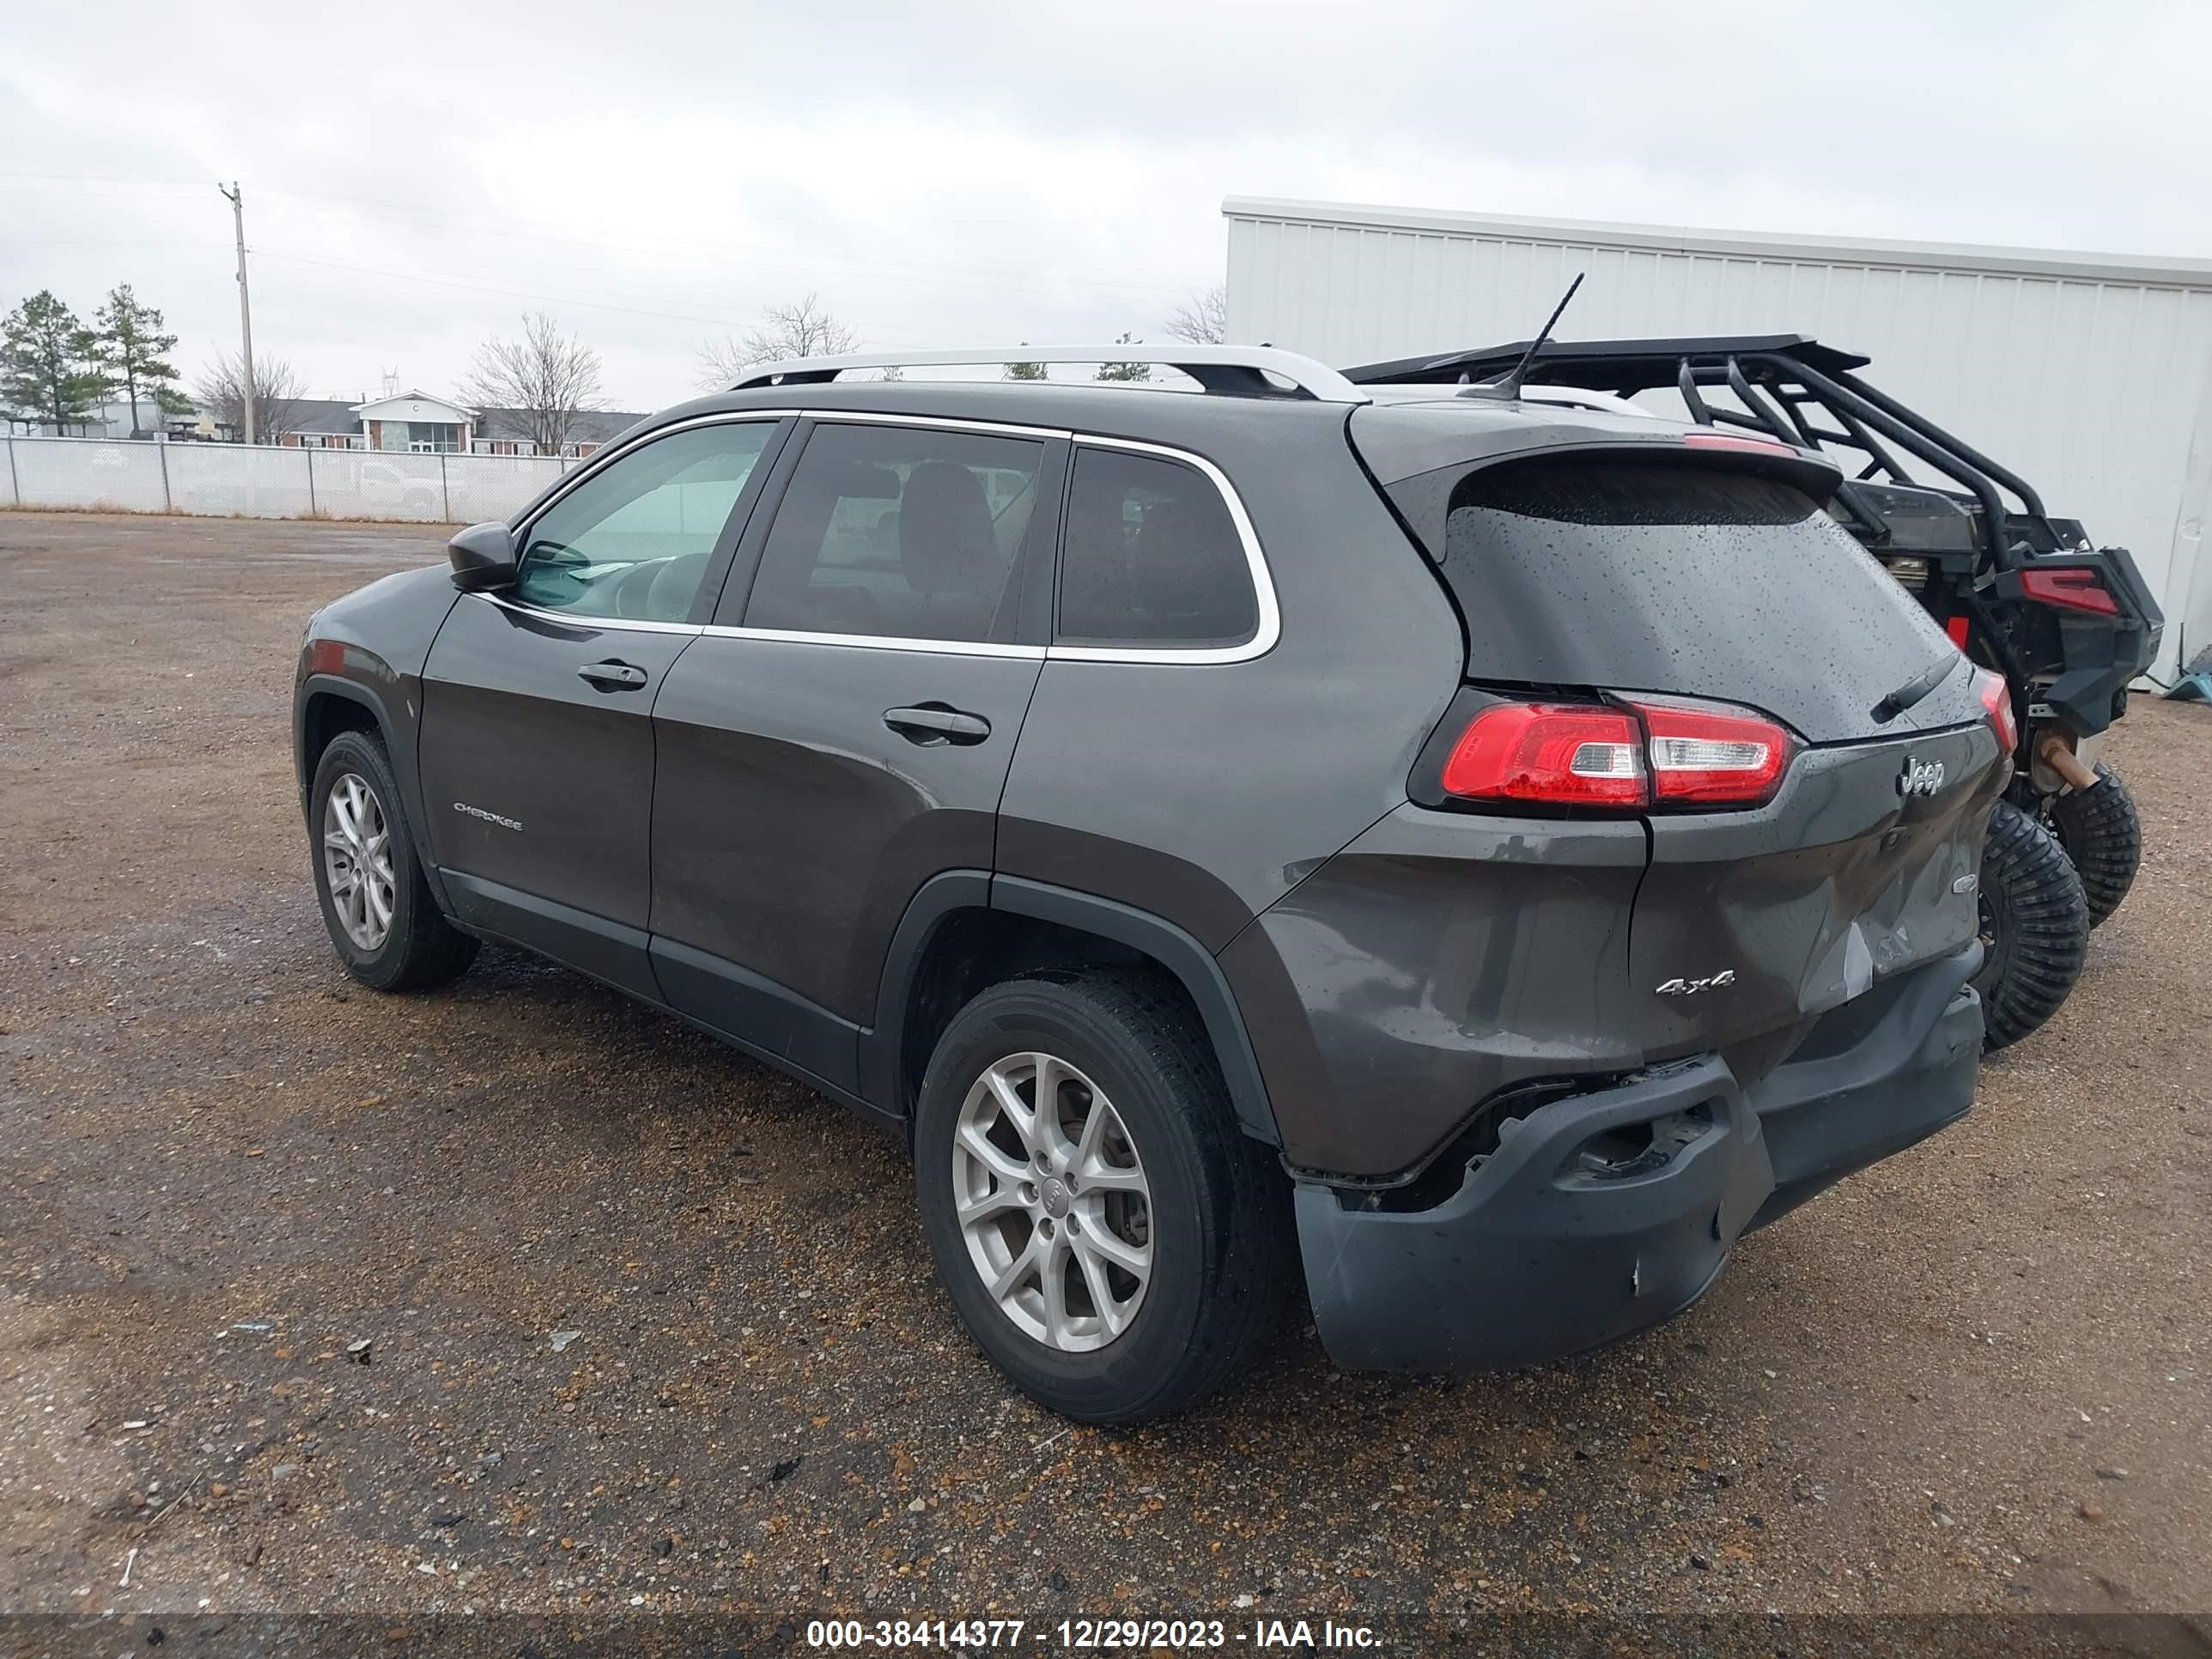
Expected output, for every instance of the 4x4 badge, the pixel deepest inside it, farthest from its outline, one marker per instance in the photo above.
(1920, 777)
(1690, 988)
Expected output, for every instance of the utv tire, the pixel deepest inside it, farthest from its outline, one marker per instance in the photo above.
(383, 922)
(2035, 926)
(2099, 829)
(999, 1184)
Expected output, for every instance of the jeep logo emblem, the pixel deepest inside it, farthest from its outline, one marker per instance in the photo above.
(1919, 777)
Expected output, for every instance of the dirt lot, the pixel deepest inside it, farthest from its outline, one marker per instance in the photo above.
(1978, 1377)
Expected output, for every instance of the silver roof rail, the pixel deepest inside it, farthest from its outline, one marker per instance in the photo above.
(1238, 371)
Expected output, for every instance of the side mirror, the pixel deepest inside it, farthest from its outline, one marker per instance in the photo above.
(483, 557)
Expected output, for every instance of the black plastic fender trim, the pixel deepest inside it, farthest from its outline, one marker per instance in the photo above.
(402, 768)
(1173, 948)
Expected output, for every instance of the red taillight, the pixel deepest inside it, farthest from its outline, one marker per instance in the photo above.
(1564, 753)
(2073, 589)
(1997, 697)
(1955, 630)
(1701, 752)
(1661, 749)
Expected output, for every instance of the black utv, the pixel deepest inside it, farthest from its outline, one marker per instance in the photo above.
(2067, 624)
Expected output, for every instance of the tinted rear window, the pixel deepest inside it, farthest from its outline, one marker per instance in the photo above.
(1672, 576)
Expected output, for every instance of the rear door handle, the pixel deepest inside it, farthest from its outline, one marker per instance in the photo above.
(936, 722)
(612, 676)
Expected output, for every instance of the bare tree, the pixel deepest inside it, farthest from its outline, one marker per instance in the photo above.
(804, 330)
(1204, 321)
(542, 382)
(221, 392)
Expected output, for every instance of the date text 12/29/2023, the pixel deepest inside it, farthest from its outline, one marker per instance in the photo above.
(1088, 1635)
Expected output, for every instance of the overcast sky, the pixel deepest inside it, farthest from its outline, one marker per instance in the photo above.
(416, 177)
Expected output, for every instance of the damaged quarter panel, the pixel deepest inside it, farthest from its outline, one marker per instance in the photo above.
(1439, 958)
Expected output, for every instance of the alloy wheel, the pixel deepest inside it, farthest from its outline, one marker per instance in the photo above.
(357, 861)
(1052, 1202)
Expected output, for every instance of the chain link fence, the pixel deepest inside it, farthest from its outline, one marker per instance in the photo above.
(265, 482)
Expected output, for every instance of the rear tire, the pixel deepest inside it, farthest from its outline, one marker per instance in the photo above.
(2035, 926)
(383, 923)
(1212, 1234)
(2102, 834)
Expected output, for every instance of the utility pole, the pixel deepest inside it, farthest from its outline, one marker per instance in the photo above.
(249, 389)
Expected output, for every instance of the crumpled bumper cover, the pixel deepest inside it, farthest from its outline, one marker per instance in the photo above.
(1540, 1255)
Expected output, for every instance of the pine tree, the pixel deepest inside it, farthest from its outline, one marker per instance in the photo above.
(128, 342)
(1025, 371)
(1125, 371)
(46, 367)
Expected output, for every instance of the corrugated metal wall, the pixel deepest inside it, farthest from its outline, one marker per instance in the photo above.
(2095, 385)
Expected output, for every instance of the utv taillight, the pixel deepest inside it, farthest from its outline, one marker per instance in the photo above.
(1997, 697)
(1656, 749)
(2073, 589)
(1567, 754)
(1704, 752)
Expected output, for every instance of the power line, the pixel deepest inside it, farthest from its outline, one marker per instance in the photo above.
(490, 223)
(98, 178)
(568, 299)
(495, 224)
(95, 242)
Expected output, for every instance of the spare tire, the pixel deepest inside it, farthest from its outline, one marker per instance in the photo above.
(2101, 833)
(2035, 926)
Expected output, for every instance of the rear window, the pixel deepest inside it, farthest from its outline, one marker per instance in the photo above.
(1663, 576)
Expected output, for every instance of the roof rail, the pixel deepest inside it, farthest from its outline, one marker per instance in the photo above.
(1231, 370)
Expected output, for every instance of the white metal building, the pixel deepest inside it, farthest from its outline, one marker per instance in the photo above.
(2090, 374)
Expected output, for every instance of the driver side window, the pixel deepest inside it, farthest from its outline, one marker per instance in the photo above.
(632, 542)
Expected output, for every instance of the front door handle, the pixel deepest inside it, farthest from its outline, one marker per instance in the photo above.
(612, 676)
(936, 722)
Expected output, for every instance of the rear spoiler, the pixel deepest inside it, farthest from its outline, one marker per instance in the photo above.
(1422, 495)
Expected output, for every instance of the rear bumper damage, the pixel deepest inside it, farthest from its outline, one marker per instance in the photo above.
(1606, 1213)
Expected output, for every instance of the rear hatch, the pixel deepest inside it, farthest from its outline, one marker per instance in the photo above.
(1624, 574)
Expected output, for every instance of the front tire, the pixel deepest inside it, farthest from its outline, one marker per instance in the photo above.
(1123, 1253)
(2101, 832)
(383, 922)
(2035, 926)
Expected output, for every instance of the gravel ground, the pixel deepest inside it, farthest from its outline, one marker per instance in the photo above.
(1978, 1377)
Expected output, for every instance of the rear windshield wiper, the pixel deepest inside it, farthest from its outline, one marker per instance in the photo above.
(1912, 690)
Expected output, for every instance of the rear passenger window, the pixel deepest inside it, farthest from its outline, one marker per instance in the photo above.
(899, 532)
(1151, 556)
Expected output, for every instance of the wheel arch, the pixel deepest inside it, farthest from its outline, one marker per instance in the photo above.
(326, 707)
(965, 930)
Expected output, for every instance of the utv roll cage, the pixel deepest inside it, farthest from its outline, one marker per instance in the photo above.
(1791, 388)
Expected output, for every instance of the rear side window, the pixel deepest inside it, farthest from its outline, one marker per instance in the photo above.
(1663, 576)
(1151, 556)
(899, 532)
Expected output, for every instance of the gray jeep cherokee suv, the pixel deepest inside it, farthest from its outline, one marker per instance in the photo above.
(1495, 854)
